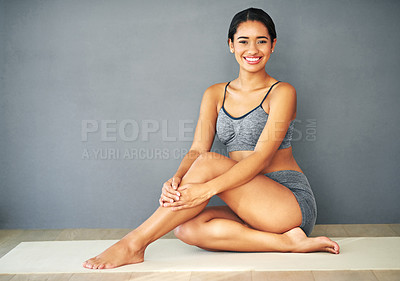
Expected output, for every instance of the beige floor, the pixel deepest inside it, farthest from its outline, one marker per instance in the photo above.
(11, 238)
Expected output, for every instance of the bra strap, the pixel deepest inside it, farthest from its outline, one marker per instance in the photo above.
(268, 92)
(223, 102)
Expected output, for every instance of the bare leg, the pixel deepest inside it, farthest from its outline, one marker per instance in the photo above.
(277, 231)
(219, 228)
(263, 215)
(130, 249)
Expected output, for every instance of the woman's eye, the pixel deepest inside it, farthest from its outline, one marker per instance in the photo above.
(262, 42)
(242, 42)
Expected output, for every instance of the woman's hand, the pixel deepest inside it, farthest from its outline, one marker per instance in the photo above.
(169, 191)
(192, 195)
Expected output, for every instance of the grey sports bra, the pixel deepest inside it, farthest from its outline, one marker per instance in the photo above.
(242, 133)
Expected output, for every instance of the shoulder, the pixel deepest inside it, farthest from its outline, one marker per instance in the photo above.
(283, 96)
(285, 87)
(215, 92)
(216, 88)
(283, 91)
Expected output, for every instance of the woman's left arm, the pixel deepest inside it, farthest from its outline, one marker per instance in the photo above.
(282, 107)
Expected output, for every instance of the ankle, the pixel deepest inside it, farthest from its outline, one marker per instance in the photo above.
(288, 243)
(134, 241)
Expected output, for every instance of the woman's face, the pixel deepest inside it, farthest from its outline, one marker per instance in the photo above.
(252, 45)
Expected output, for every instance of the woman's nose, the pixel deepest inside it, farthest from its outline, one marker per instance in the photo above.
(252, 49)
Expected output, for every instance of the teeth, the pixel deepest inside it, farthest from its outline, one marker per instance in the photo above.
(253, 59)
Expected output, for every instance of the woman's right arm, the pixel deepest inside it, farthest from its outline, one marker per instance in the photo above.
(187, 162)
(202, 140)
(205, 129)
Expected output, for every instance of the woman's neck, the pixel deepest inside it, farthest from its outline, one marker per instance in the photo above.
(248, 81)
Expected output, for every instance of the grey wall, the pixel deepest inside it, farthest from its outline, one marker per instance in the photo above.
(67, 66)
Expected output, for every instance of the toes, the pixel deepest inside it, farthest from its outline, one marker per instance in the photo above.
(330, 250)
(101, 266)
(337, 248)
(93, 265)
(88, 265)
(97, 266)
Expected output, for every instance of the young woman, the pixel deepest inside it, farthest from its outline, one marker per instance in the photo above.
(271, 206)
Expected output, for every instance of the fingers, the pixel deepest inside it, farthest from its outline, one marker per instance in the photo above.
(172, 184)
(180, 207)
(176, 208)
(170, 194)
(177, 204)
(175, 182)
(165, 201)
(168, 198)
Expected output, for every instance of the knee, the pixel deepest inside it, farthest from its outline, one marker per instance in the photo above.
(205, 159)
(187, 232)
(205, 167)
(198, 234)
(209, 155)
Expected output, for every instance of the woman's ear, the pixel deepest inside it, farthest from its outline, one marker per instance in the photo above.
(273, 45)
(231, 49)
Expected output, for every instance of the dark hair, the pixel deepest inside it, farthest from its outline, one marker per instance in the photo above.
(252, 14)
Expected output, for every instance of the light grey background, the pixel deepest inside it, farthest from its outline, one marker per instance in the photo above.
(66, 62)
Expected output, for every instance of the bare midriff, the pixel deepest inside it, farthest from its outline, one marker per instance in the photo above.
(282, 160)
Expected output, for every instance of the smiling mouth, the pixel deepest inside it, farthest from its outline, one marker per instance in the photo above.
(252, 60)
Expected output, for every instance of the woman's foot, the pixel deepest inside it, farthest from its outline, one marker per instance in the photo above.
(121, 253)
(300, 243)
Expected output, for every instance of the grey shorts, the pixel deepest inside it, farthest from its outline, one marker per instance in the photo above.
(297, 182)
